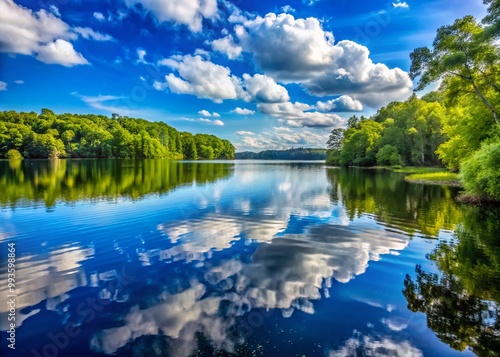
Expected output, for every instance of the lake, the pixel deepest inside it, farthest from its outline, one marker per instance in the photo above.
(243, 258)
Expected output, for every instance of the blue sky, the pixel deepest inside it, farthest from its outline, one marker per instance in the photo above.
(264, 75)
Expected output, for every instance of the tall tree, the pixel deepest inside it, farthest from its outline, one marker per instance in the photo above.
(459, 50)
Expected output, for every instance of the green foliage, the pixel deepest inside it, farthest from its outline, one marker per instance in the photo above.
(466, 125)
(461, 51)
(492, 19)
(13, 154)
(359, 144)
(401, 133)
(481, 172)
(95, 136)
(388, 156)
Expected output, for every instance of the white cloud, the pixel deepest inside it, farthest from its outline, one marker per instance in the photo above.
(55, 10)
(89, 34)
(287, 9)
(3, 85)
(400, 4)
(40, 34)
(99, 16)
(243, 111)
(360, 345)
(264, 89)
(60, 52)
(300, 115)
(310, 2)
(280, 138)
(227, 46)
(19, 81)
(140, 55)
(397, 324)
(244, 133)
(299, 50)
(216, 122)
(200, 77)
(182, 12)
(206, 113)
(285, 47)
(341, 104)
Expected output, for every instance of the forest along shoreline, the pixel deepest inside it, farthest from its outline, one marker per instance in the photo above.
(49, 135)
(456, 127)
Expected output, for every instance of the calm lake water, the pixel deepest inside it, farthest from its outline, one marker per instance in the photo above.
(243, 258)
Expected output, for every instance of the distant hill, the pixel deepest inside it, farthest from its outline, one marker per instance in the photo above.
(290, 154)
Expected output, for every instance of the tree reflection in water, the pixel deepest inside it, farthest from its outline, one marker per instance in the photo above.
(462, 303)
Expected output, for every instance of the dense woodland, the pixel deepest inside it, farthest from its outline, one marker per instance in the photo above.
(457, 126)
(48, 135)
(290, 154)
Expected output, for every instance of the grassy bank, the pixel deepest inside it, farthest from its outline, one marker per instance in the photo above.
(435, 178)
(418, 169)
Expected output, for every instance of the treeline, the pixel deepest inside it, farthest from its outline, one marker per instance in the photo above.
(290, 154)
(48, 135)
(457, 126)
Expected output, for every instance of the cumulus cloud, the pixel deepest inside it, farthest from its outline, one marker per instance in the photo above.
(280, 138)
(181, 12)
(19, 81)
(264, 89)
(41, 34)
(60, 52)
(3, 85)
(284, 47)
(227, 46)
(299, 50)
(300, 115)
(200, 77)
(243, 111)
(206, 113)
(341, 104)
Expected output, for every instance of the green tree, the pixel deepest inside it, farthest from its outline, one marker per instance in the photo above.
(460, 50)
(13, 154)
(389, 155)
(189, 147)
(359, 144)
(481, 172)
